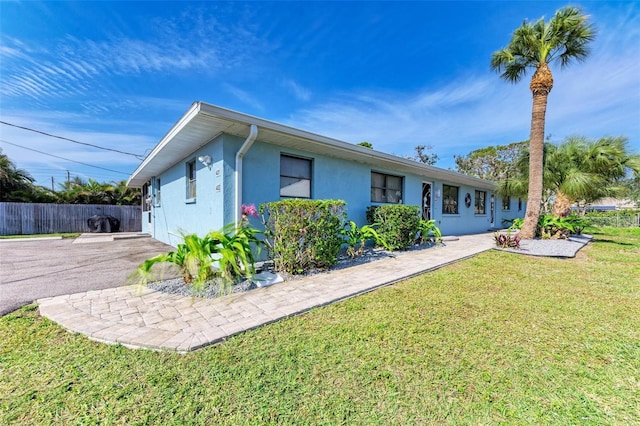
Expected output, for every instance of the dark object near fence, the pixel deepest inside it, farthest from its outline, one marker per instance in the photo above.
(103, 223)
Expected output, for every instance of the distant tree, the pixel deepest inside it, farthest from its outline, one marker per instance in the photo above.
(15, 184)
(124, 195)
(563, 39)
(78, 191)
(631, 189)
(422, 155)
(492, 163)
(366, 144)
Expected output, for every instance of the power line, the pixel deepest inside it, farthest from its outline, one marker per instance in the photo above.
(63, 158)
(140, 157)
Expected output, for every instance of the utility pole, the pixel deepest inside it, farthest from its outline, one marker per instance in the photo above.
(68, 177)
(52, 187)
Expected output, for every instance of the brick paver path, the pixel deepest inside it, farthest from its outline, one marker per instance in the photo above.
(144, 318)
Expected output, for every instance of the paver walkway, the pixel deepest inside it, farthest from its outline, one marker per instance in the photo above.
(143, 318)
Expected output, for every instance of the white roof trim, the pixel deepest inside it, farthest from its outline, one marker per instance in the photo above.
(155, 164)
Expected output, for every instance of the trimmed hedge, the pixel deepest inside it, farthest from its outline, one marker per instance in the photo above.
(397, 224)
(303, 235)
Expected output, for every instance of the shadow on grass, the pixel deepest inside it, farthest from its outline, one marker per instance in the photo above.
(607, 241)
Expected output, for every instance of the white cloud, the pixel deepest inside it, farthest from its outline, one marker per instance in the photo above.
(300, 92)
(243, 96)
(599, 97)
(75, 66)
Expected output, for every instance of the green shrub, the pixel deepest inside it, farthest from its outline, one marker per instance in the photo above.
(397, 224)
(356, 238)
(429, 230)
(303, 235)
(227, 254)
(514, 224)
(551, 227)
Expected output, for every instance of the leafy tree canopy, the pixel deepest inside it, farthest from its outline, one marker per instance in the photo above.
(493, 163)
(16, 185)
(422, 154)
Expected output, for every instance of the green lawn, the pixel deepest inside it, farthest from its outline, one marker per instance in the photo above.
(496, 339)
(63, 235)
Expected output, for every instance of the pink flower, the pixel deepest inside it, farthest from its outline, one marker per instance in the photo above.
(249, 210)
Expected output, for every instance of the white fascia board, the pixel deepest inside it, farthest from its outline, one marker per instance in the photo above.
(376, 157)
(191, 113)
(366, 155)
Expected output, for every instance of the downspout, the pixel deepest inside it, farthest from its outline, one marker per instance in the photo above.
(253, 133)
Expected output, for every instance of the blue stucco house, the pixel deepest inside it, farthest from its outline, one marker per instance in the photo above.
(213, 160)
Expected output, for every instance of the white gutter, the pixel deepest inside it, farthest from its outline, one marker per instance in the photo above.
(253, 134)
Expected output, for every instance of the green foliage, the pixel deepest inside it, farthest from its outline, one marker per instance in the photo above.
(550, 226)
(564, 38)
(17, 185)
(235, 250)
(582, 169)
(494, 163)
(422, 155)
(506, 240)
(448, 347)
(227, 254)
(303, 235)
(428, 229)
(515, 223)
(366, 144)
(397, 224)
(356, 238)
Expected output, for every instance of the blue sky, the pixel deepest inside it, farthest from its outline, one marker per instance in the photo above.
(120, 74)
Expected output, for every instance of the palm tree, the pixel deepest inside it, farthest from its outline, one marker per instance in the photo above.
(586, 170)
(15, 184)
(578, 169)
(563, 39)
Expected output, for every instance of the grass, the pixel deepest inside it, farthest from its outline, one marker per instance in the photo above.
(496, 339)
(63, 235)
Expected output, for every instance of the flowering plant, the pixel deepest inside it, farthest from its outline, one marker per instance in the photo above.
(506, 240)
(249, 210)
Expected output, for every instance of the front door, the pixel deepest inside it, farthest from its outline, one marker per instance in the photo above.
(426, 200)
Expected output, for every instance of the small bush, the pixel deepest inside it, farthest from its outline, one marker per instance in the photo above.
(303, 235)
(397, 224)
(556, 228)
(514, 224)
(506, 240)
(356, 238)
(227, 254)
(429, 230)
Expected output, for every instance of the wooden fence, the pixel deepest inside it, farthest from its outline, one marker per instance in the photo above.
(45, 218)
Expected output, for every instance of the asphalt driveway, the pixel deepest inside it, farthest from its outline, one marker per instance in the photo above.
(32, 269)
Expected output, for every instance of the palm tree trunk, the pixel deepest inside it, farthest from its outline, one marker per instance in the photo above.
(541, 84)
(561, 205)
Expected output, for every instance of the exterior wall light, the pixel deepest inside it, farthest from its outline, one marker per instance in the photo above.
(205, 160)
